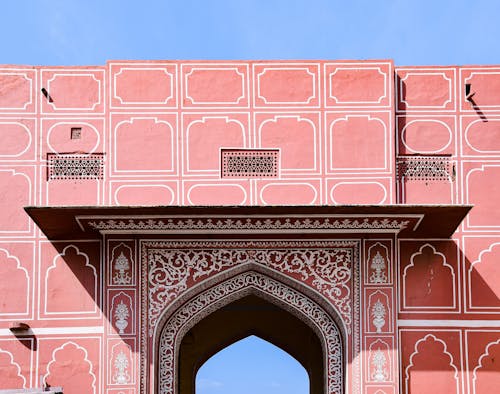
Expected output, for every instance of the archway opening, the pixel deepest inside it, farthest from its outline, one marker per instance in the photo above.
(246, 317)
(252, 365)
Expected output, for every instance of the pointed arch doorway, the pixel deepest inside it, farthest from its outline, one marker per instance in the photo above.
(250, 315)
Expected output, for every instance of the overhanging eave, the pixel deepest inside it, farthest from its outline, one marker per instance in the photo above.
(91, 222)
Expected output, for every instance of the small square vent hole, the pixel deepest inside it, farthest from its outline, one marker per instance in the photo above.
(76, 133)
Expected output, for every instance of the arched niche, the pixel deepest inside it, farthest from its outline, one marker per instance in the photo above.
(237, 304)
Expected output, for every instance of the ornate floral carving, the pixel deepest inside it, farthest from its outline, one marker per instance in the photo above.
(252, 247)
(121, 315)
(378, 314)
(215, 297)
(378, 266)
(121, 375)
(379, 362)
(122, 266)
(327, 270)
(264, 224)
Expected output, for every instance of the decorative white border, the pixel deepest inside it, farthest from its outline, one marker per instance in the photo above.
(477, 71)
(361, 66)
(245, 84)
(125, 103)
(338, 102)
(223, 144)
(380, 116)
(445, 351)
(32, 83)
(286, 66)
(300, 117)
(455, 307)
(168, 67)
(424, 71)
(98, 75)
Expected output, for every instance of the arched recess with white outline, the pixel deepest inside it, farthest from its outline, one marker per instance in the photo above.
(62, 295)
(485, 376)
(316, 337)
(431, 358)
(10, 372)
(71, 368)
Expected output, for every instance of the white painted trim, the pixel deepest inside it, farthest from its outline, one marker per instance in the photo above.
(56, 331)
(448, 323)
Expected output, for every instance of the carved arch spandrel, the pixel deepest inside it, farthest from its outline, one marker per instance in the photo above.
(176, 322)
(214, 273)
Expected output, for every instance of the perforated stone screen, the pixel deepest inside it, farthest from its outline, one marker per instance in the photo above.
(254, 163)
(71, 166)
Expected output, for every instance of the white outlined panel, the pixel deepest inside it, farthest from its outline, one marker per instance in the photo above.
(215, 85)
(71, 91)
(122, 362)
(359, 143)
(56, 136)
(292, 191)
(480, 271)
(205, 134)
(143, 144)
(296, 135)
(143, 192)
(19, 94)
(70, 281)
(122, 312)
(17, 361)
(379, 310)
(144, 86)
(206, 192)
(371, 191)
(367, 84)
(484, 89)
(286, 85)
(18, 139)
(380, 366)
(17, 185)
(429, 277)
(481, 352)
(425, 89)
(69, 349)
(426, 134)
(121, 262)
(481, 189)
(480, 137)
(419, 347)
(17, 264)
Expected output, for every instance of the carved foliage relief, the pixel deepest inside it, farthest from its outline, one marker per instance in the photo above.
(170, 268)
(172, 271)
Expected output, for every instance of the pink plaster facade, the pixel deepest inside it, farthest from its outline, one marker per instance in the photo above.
(311, 133)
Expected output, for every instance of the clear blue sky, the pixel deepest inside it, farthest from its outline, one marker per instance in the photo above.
(412, 32)
(90, 32)
(252, 366)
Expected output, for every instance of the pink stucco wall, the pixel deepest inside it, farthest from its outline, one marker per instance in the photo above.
(344, 132)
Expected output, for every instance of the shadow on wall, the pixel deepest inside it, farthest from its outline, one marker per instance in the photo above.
(451, 355)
